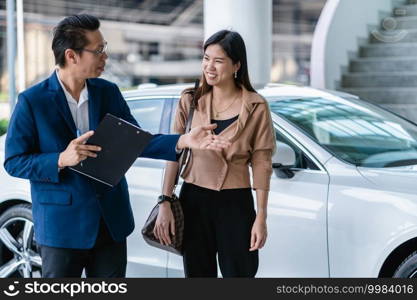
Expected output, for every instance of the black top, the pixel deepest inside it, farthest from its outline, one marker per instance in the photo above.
(223, 124)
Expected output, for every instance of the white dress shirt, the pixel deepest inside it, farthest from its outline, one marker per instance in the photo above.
(79, 109)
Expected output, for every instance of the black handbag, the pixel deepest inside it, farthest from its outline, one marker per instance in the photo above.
(147, 230)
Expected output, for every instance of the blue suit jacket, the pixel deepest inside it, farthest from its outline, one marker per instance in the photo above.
(67, 206)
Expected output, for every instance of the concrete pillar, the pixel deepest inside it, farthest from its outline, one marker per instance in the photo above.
(253, 20)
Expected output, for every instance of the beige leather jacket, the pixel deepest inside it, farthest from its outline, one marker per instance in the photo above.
(253, 143)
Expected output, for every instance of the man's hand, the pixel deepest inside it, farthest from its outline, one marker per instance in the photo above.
(201, 137)
(77, 151)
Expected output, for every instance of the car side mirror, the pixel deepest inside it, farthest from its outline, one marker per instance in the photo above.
(282, 161)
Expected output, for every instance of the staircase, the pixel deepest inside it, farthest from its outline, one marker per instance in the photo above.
(385, 71)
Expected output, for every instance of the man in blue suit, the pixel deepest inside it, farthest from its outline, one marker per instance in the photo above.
(79, 223)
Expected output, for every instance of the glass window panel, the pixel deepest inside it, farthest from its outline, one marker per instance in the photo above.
(148, 113)
(353, 130)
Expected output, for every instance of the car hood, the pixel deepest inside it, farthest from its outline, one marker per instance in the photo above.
(403, 179)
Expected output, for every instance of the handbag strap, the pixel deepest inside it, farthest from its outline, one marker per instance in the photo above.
(184, 154)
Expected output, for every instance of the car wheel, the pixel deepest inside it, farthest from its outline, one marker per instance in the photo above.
(19, 256)
(408, 268)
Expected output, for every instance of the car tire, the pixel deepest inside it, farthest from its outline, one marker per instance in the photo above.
(19, 256)
(408, 268)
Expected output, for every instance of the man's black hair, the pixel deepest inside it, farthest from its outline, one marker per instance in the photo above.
(70, 34)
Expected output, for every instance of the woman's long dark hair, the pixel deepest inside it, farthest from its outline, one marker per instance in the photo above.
(234, 47)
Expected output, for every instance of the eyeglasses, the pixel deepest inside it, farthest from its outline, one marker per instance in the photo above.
(97, 52)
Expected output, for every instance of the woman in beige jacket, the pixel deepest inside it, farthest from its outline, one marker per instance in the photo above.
(216, 196)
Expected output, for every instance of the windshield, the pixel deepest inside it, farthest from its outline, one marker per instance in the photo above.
(353, 130)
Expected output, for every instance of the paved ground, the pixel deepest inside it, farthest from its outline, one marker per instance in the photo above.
(4, 110)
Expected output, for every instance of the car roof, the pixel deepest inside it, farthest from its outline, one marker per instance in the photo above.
(169, 90)
(301, 91)
(270, 90)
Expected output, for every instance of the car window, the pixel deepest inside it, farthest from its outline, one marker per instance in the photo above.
(353, 130)
(302, 161)
(174, 110)
(148, 113)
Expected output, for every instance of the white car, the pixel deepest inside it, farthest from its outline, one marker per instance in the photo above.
(343, 199)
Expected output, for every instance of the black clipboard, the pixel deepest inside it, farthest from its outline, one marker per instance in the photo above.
(121, 143)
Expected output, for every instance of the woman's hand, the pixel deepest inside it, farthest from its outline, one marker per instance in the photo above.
(165, 223)
(201, 137)
(258, 233)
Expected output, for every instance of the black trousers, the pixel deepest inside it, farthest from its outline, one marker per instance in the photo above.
(218, 223)
(106, 259)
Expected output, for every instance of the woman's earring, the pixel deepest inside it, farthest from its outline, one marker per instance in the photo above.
(235, 74)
